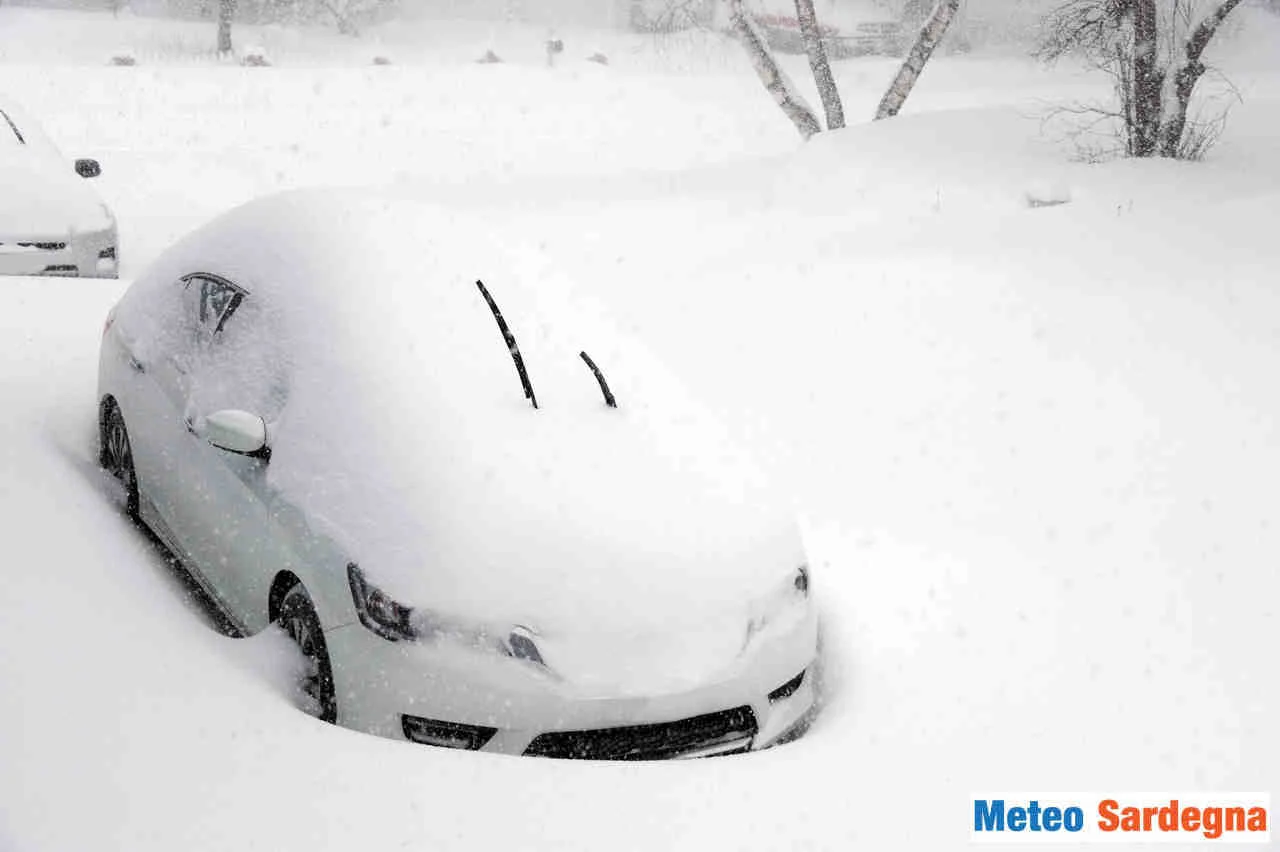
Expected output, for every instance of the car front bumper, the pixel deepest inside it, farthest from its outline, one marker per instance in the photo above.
(93, 254)
(524, 710)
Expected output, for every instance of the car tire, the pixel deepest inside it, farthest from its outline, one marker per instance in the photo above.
(116, 454)
(299, 621)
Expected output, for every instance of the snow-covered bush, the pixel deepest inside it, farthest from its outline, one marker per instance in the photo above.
(255, 57)
(1047, 193)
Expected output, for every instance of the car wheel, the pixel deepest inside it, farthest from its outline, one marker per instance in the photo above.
(116, 455)
(299, 620)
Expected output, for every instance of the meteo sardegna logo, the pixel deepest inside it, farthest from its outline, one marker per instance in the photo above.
(1200, 818)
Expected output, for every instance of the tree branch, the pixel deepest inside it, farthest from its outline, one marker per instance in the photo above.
(1175, 124)
(930, 34)
(1200, 38)
(818, 63)
(771, 75)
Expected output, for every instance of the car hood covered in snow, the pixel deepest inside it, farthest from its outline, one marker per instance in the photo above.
(42, 196)
(407, 437)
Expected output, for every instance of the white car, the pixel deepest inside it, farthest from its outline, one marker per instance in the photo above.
(51, 220)
(489, 521)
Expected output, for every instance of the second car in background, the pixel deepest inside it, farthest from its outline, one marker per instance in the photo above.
(51, 221)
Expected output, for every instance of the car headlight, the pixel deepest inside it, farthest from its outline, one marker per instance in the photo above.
(789, 597)
(377, 610)
(395, 622)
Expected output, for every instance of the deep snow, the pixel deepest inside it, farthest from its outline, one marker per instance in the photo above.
(1036, 449)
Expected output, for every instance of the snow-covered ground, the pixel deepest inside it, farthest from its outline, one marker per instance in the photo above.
(1036, 448)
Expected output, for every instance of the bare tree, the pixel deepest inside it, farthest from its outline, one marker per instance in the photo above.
(1174, 125)
(913, 66)
(1153, 53)
(771, 74)
(784, 93)
(671, 16)
(341, 16)
(226, 13)
(348, 14)
(818, 63)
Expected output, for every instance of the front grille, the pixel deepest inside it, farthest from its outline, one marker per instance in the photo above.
(69, 270)
(43, 246)
(725, 732)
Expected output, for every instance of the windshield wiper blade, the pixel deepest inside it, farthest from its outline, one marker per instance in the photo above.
(604, 386)
(512, 346)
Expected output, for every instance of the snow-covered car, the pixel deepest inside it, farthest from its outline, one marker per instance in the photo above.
(489, 520)
(857, 38)
(846, 27)
(51, 221)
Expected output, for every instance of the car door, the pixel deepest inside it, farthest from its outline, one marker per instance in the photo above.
(225, 523)
(159, 344)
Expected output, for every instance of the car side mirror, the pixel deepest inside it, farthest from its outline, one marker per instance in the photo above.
(88, 168)
(237, 432)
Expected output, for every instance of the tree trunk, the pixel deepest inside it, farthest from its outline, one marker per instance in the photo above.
(342, 17)
(913, 66)
(1148, 80)
(774, 78)
(1186, 78)
(226, 12)
(818, 62)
